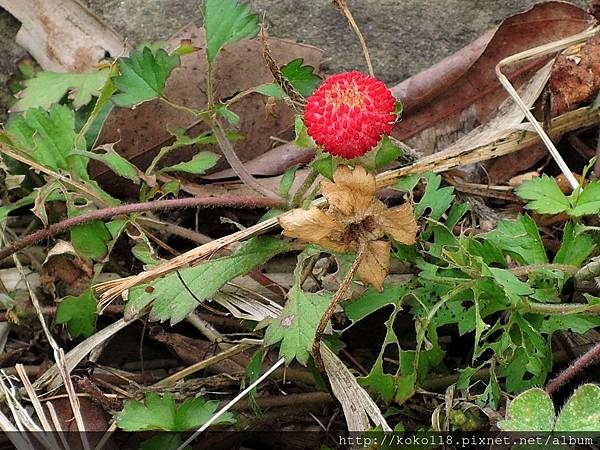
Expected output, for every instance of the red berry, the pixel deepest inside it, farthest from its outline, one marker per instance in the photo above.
(349, 113)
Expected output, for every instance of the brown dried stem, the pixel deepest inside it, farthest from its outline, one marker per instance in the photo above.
(337, 298)
(343, 5)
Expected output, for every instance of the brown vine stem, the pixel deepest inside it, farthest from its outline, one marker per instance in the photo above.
(106, 213)
(587, 359)
(337, 298)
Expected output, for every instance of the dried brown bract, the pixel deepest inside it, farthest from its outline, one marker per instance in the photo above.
(355, 218)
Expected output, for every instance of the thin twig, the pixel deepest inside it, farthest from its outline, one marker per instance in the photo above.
(588, 358)
(337, 298)
(343, 5)
(237, 165)
(106, 213)
(227, 407)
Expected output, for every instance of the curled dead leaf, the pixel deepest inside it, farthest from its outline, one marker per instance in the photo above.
(355, 219)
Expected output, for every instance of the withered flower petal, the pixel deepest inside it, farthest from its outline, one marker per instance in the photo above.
(375, 263)
(354, 219)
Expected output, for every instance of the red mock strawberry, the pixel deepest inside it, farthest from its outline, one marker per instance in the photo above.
(348, 114)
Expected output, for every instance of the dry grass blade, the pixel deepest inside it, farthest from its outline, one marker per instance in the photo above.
(357, 405)
(50, 378)
(247, 308)
(35, 401)
(529, 54)
(57, 426)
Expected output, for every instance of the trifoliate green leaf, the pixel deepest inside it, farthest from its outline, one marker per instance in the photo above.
(227, 22)
(48, 88)
(199, 164)
(530, 411)
(158, 413)
(296, 325)
(78, 313)
(544, 195)
(177, 294)
(143, 76)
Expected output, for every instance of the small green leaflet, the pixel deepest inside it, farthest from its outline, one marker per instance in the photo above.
(90, 239)
(387, 152)
(301, 77)
(78, 313)
(199, 164)
(48, 88)
(581, 412)
(143, 76)
(177, 294)
(303, 140)
(162, 414)
(227, 22)
(287, 181)
(114, 161)
(576, 246)
(586, 202)
(296, 325)
(544, 194)
(435, 199)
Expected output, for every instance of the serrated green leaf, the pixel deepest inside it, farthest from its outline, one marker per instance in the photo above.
(143, 76)
(199, 164)
(177, 294)
(586, 202)
(581, 412)
(48, 88)
(227, 22)
(544, 195)
(301, 77)
(158, 413)
(520, 239)
(296, 325)
(78, 313)
(49, 138)
(387, 152)
(575, 247)
(530, 411)
(114, 161)
(435, 199)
